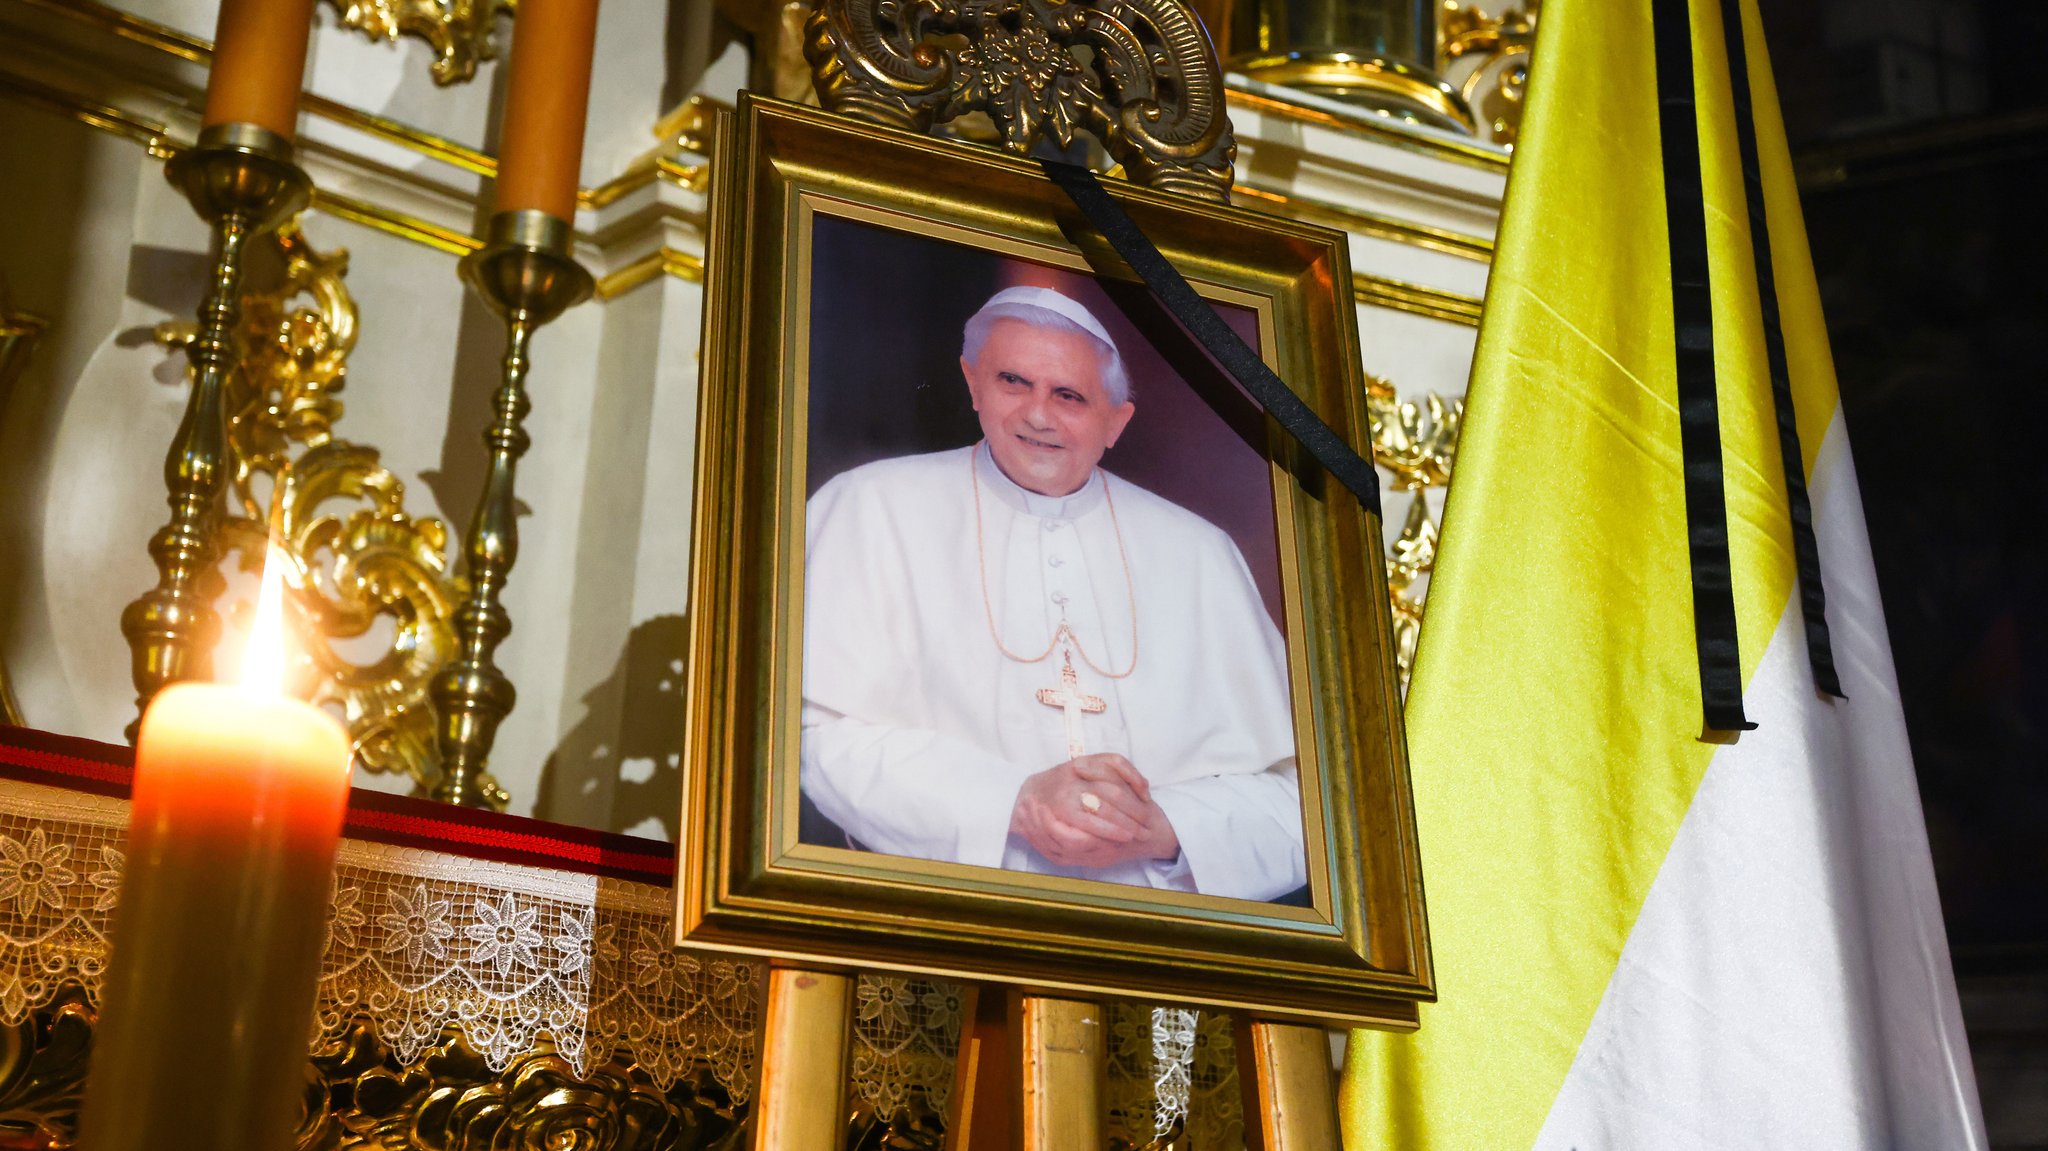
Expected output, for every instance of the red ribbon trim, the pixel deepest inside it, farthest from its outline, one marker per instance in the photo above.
(41, 757)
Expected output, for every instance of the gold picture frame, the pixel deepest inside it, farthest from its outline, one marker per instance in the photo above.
(1358, 954)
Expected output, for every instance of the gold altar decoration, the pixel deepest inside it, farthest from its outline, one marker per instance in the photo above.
(353, 570)
(240, 179)
(666, 163)
(1419, 445)
(459, 31)
(1140, 75)
(1377, 54)
(451, 989)
(467, 1005)
(1488, 58)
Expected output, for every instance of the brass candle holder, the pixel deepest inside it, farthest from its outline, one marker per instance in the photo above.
(525, 274)
(241, 179)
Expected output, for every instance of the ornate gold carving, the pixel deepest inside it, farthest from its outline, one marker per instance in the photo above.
(463, 1003)
(355, 568)
(1140, 75)
(1419, 445)
(42, 1072)
(458, 30)
(1489, 57)
(360, 1096)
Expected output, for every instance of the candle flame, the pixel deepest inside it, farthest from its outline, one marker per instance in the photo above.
(263, 659)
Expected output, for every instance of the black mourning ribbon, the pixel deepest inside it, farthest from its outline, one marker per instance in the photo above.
(1692, 304)
(1813, 597)
(1216, 337)
(1699, 409)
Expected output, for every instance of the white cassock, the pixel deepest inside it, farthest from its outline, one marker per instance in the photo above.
(918, 731)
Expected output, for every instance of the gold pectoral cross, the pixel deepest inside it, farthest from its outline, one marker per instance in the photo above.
(1072, 701)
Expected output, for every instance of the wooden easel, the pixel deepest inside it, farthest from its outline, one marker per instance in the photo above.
(1030, 1074)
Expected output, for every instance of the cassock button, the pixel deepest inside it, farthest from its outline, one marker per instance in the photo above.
(1053, 525)
(1057, 561)
(1060, 598)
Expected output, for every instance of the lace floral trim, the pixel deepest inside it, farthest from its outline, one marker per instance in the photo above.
(1173, 1076)
(416, 941)
(906, 1040)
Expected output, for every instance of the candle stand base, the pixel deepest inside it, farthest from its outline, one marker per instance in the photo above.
(241, 179)
(525, 273)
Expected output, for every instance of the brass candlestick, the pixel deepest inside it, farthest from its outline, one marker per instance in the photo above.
(526, 275)
(241, 179)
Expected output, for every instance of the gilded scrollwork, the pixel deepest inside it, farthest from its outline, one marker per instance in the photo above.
(362, 566)
(459, 31)
(42, 1071)
(525, 1008)
(364, 1097)
(360, 1097)
(1139, 75)
(1488, 58)
(1419, 445)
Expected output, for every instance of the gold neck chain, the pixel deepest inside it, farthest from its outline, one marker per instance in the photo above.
(1065, 631)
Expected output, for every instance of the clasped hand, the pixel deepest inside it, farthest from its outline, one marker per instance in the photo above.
(1056, 819)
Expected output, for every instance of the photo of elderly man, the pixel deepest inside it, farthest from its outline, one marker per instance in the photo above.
(1015, 658)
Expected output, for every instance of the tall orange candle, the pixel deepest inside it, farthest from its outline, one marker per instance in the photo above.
(259, 63)
(540, 145)
(207, 1005)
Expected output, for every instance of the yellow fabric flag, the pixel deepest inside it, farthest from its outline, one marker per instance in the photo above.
(1645, 938)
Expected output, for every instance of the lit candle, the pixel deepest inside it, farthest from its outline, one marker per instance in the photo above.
(233, 823)
(259, 62)
(540, 147)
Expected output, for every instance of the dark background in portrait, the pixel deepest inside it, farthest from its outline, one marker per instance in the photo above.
(887, 309)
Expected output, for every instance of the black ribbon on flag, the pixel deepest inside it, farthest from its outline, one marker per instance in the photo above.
(1699, 408)
(1223, 345)
(1813, 598)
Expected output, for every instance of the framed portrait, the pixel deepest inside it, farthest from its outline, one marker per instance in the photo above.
(1024, 647)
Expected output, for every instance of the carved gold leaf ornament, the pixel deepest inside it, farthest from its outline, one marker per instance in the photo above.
(1419, 444)
(462, 1003)
(459, 31)
(1138, 75)
(1490, 56)
(364, 572)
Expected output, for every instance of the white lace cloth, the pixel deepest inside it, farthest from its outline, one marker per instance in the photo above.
(417, 940)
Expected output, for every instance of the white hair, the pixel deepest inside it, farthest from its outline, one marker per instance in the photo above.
(1116, 380)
